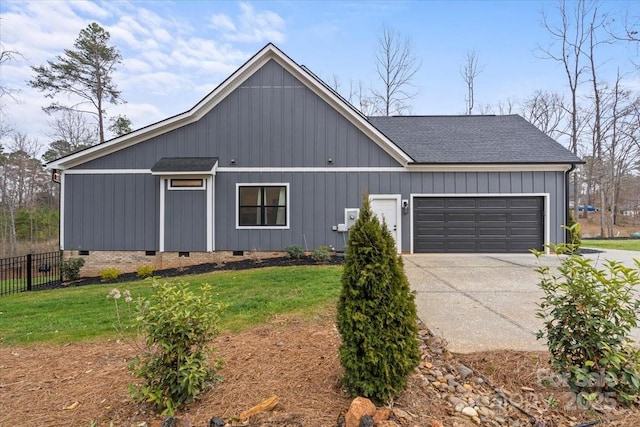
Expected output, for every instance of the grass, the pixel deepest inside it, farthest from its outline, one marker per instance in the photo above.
(627, 245)
(83, 313)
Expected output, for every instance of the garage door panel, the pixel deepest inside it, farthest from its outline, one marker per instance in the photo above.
(492, 217)
(478, 224)
(460, 217)
(460, 203)
(460, 231)
(489, 203)
(492, 232)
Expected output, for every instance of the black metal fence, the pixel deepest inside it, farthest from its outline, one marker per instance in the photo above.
(30, 272)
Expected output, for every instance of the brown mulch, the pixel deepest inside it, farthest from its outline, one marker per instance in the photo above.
(295, 359)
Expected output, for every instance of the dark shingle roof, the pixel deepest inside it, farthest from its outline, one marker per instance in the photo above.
(185, 164)
(472, 139)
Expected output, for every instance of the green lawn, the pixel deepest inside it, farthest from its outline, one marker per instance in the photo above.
(627, 245)
(252, 297)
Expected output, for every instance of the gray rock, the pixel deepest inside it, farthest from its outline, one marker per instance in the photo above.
(464, 371)
(366, 421)
(455, 400)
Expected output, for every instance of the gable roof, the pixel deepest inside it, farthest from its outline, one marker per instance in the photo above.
(267, 53)
(487, 139)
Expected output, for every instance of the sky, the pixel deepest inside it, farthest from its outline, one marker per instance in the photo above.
(175, 52)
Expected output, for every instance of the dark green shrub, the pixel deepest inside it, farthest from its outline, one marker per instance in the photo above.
(145, 271)
(70, 268)
(179, 327)
(321, 254)
(109, 274)
(588, 315)
(294, 251)
(377, 317)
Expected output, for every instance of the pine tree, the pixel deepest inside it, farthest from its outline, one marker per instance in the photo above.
(377, 316)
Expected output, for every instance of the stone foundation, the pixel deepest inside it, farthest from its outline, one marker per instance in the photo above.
(130, 261)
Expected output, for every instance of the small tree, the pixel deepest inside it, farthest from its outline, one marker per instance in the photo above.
(376, 313)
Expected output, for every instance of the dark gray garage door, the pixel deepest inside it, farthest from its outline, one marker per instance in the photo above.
(477, 224)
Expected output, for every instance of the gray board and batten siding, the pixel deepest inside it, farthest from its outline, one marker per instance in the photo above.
(268, 124)
(317, 202)
(271, 120)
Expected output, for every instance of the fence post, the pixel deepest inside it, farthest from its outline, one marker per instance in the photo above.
(29, 272)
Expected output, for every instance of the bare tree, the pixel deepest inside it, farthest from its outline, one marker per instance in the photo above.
(469, 72)
(7, 56)
(546, 110)
(569, 38)
(396, 66)
(70, 132)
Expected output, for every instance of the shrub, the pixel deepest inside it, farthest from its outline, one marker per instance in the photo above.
(70, 268)
(145, 271)
(294, 251)
(574, 234)
(109, 274)
(321, 254)
(588, 315)
(377, 316)
(179, 326)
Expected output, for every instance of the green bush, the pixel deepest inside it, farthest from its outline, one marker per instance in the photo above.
(179, 327)
(109, 274)
(588, 315)
(321, 254)
(377, 317)
(145, 271)
(573, 230)
(70, 268)
(294, 251)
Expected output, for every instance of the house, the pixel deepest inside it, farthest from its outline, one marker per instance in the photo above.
(274, 157)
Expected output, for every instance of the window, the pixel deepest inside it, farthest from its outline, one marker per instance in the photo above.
(263, 205)
(186, 184)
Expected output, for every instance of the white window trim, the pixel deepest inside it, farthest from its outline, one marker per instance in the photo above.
(263, 227)
(547, 209)
(172, 188)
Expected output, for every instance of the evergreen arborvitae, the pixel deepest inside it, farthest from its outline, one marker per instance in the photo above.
(377, 317)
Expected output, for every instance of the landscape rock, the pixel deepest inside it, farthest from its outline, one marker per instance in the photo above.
(359, 407)
(469, 412)
(366, 421)
(382, 414)
(216, 422)
(464, 371)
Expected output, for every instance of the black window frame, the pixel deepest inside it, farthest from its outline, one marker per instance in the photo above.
(263, 208)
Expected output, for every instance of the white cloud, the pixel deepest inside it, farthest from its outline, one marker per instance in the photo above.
(222, 22)
(168, 63)
(251, 26)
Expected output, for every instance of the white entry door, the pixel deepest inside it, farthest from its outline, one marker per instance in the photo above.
(387, 206)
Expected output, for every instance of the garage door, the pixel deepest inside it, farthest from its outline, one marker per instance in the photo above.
(477, 224)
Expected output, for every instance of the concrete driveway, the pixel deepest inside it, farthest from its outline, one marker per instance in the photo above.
(485, 301)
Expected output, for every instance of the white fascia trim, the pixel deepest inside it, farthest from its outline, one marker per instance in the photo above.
(311, 169)
(510, 167)
(210, 101)
(547, 208)
(397, 198)
(107, 171)
(62, 211)
(263, 184)
(162, 205)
